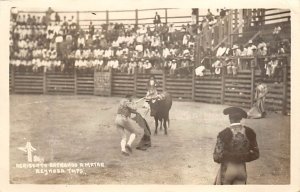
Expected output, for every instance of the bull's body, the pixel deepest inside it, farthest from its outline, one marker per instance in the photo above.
(160, 111)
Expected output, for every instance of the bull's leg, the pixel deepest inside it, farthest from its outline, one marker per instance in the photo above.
(161, 122)
(156, 125)
(165, 126)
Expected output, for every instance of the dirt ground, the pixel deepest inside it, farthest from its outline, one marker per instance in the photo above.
(81, 129)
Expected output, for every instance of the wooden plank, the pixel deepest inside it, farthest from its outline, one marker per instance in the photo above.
(85, 82)
(122, 89)
(233, 85)
(60, 76)
(29, 91)
(237, 100)
(175, 88)
(121, 81)
(85, 79)
(61, 84)
(33, 84)
(208, 82)
(85, 85)
(208, 95)
(179, 84)
(208, 91)
(240, 81)
(237, 91)
(29, 81)
(236, 104)
(123, 77)
(208, 86)
(28, 78)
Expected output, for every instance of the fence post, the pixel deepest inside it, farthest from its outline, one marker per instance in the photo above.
(236, 19)
(107, 17)
(135, 82)
(222, 85)
(164, 80)
(44, 81)
(77, 14)
(166, 15)
(136, 17)
(253, 80)
(284, 83)
(75, 81)
(193, 83)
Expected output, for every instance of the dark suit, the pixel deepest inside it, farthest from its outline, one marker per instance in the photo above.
(235, 146)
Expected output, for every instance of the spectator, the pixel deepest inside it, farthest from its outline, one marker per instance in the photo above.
(222, 50)
(91, 29)
(173, 67)
(231, 66)
(156, 20)
(209, 15)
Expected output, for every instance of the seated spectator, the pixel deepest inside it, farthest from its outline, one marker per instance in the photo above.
(231, 66)
(124, 66)
(222, 50)
(115, 64)
(147, 66)
(251, 48)
(200, 71)
(132, 66)
(140, 65)
(173, 67)
(217, 67)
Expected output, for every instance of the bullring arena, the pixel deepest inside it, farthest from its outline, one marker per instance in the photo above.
(64, 98)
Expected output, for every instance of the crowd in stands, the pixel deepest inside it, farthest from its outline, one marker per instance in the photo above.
(62, 45)
(49, 43)
(240, 57)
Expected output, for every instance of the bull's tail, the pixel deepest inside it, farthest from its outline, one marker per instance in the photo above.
(168, 121)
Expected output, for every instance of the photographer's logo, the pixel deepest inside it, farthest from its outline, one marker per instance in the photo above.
(29, 149)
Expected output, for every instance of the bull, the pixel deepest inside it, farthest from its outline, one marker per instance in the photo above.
(159, 109)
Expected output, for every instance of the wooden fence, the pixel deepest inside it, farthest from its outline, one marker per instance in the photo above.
(224, 89)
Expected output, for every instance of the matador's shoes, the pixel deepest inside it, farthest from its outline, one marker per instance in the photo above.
(125, 153)
(129, 148)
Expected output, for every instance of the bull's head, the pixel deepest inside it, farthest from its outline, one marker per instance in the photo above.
(154, 106)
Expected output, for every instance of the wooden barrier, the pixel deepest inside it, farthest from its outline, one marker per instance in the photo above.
(11, 79)
(142, 80)
(288, 91)
(208, 89)
(29, 83)
(237, 89)
(179, 87)
(122, 84)
(60, 83)
(85, 84)
(274, 98)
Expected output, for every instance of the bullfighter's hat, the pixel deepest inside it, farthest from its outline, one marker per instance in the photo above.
(235, 112)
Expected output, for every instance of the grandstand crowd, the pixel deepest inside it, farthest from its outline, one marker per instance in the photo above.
(51, 43)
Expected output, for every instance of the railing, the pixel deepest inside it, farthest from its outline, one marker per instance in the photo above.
(223, 89)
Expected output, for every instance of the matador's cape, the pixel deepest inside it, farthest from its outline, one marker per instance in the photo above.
(145, 142)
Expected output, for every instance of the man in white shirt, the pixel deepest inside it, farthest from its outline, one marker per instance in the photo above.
(222, 50)
(81, 42)
(173, 67)
(251, 48)
(115, 64)
(139, 49)
(166, 52)
(78, 54)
